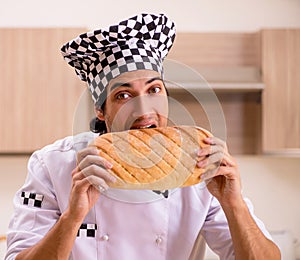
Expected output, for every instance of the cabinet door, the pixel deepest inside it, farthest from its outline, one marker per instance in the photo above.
(281, 74)
(39, 91)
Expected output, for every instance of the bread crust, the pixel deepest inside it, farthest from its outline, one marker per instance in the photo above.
(154, 159)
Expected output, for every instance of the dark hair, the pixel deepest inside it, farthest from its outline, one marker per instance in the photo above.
(97, 125)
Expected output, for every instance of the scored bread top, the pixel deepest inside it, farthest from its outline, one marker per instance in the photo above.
(155, 159)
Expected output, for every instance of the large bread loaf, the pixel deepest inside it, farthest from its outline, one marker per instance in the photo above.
(155, 159)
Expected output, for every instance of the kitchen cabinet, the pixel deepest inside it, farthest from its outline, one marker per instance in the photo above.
(229, 65)
(281, 75)
(39, 92)
(257, 81)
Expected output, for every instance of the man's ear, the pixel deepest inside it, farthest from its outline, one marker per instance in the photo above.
(99, 114)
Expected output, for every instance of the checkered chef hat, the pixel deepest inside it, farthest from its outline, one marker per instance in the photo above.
(141, 42)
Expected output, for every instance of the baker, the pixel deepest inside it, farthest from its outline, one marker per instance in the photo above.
(66, 210)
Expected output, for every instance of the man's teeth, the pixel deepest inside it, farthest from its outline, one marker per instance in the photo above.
(146, 126)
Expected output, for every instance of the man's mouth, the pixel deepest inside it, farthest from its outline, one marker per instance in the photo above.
(143, 126)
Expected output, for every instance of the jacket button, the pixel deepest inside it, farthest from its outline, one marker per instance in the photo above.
(158, 240)
(105, 237)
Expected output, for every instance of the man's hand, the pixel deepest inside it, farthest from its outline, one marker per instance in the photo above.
(223, 182)
(88, 179)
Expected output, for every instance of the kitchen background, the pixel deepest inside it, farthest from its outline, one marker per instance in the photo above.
(236, 45)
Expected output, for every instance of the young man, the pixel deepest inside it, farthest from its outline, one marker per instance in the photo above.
(64, 211)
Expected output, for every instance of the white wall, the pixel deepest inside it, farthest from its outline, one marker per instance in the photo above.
(189, 15)
(12, 176)
(273, 185)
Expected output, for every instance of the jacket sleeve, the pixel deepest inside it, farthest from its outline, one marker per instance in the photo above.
(35, 209)
(216, 231)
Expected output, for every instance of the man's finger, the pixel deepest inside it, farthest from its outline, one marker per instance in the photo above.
(85, 152)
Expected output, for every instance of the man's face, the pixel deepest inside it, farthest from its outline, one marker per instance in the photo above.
(136, 99)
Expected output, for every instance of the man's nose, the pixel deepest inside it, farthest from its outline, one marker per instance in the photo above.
(142, 105)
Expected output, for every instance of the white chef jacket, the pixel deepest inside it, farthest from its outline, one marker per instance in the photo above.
(118, 226)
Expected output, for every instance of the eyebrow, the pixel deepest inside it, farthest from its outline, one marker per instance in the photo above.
(120, 84)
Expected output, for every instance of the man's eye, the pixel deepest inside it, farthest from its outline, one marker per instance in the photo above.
(155, 89)
(121, 96)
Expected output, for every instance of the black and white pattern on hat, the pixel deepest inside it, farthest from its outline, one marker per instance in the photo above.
(141, 42)
(87, 230)
(32, 199)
